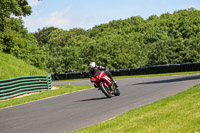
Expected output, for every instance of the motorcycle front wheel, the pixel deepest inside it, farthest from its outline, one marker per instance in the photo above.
(105, 90)
(117, 92)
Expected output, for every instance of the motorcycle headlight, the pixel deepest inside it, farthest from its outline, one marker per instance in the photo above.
(93, 80)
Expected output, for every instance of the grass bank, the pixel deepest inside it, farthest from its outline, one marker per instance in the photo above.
(63, 89)
(178, 114)
(12, 67)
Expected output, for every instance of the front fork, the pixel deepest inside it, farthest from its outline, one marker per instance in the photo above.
(113, 86)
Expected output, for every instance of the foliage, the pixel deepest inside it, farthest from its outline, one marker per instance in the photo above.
(18, 42)
(14, 38)
(12, 7)
(133, 42)
(15, 7)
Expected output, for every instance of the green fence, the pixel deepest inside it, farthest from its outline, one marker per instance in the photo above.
(22, 85)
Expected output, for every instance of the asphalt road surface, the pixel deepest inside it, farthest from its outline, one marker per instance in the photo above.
(81, 109)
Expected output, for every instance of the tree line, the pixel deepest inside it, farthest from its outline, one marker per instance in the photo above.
(129, 43)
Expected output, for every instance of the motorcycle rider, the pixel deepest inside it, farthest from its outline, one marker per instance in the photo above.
(94, 70)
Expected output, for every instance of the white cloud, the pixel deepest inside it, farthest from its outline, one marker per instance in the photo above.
(58, 19)
(33, 2)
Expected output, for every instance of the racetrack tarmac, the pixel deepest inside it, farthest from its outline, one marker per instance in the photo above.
(70, 112)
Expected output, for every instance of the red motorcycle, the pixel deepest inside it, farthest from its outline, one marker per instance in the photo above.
(105, 84)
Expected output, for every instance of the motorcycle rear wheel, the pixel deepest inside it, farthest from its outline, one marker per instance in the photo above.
(105, 90)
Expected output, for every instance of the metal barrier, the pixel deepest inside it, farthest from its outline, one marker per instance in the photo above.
(166, 68)
(24, 84)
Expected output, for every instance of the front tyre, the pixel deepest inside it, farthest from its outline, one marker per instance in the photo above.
(105, 90)
(117, 92)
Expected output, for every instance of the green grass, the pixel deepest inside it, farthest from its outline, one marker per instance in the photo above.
(176, 114)
(157, 75)
(63, 89)
(12, 67)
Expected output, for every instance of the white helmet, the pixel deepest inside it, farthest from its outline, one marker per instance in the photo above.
(93, 65)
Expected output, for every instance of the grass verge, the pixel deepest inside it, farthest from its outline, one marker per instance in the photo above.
(63, 89)
(158, 75)
(178, 114)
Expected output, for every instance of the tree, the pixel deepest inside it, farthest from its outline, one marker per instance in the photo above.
(13, 7)
(43, 35)
(133, 42)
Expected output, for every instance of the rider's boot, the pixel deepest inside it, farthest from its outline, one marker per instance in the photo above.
(95, 86)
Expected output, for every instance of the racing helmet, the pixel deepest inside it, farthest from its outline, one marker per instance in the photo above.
(93, 65)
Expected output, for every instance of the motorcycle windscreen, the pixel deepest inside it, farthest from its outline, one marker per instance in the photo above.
(101, 74)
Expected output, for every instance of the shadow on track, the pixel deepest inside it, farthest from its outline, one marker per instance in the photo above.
(92, 99)
(172, 80)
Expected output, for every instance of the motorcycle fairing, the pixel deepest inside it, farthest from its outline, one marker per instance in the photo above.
(102, 75)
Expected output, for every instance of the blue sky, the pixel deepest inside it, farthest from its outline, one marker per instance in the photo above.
(68, 14)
